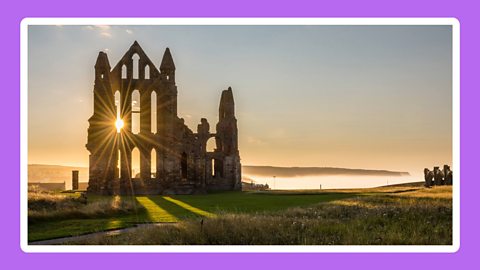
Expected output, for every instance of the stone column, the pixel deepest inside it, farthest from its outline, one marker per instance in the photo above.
(74, 180)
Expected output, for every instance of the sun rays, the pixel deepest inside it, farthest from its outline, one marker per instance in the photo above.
(119, 125)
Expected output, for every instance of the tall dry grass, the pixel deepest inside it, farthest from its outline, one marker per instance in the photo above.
(44, 206)
(381, 219)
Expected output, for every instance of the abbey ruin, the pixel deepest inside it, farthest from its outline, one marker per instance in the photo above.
(173, 158)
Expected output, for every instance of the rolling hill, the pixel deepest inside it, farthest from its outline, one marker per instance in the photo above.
(57, 174)
(305, 171)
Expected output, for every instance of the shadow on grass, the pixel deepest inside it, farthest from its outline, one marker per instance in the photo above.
(246, 202)
(74, 227)
(174, 208)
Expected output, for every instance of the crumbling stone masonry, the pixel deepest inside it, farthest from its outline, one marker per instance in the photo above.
(438, 177)
(183, 164)
(75, 180)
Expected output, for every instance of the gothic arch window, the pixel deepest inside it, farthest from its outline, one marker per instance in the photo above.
(147, 72)
(218, 168)
(124, 71)
(117, 103)
(119, 164)
(136, 112)
(135, 60)
(135, 163)
(153, 163)
(212, 168)
(153, 111)
(210, 147)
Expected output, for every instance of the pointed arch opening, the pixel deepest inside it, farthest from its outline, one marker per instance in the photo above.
(153, 111)
(212, 168)
(135, 60)
(124, 71)
(147, 72)
(153, 163)
(118, 103)
(211, 144)
(118, 120)
(135, 111)
(119, 164)
(135, 163)
(217, 168)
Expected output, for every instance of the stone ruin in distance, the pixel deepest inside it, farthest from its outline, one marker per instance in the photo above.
(183, 164)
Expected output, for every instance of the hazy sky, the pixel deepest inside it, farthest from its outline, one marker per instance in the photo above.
(374, 97)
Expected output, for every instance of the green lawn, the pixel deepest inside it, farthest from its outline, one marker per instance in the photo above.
(398, 215)
(176, 208)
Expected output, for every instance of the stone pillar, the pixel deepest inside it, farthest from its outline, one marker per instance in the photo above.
(208, 169)
(160, 174)
(447, 174)
(145, 164)
(74, 180)
(436, 176)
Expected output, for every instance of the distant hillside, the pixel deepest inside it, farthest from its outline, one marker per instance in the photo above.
(305, 171)
(40, 173)
(59, 174)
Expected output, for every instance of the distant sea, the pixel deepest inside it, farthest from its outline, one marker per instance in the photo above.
(330, 181)
(285, 177)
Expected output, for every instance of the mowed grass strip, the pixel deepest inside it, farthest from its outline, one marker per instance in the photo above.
(253, 202)
(172, 209)
(155, 212)
(72, 227)
(190, 208)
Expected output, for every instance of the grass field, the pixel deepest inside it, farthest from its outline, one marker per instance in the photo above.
(158, 208)
(406, 214)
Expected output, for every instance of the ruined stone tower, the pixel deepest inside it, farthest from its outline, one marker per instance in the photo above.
(135, 109)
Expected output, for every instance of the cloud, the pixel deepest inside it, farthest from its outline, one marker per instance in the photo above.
(103, 30)
(106, 34)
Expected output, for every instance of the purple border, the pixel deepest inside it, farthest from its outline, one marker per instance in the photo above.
(465, 11)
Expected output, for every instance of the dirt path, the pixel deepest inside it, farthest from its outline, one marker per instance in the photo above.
(66, 240)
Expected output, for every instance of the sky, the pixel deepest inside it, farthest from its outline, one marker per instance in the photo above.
(372, 97)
